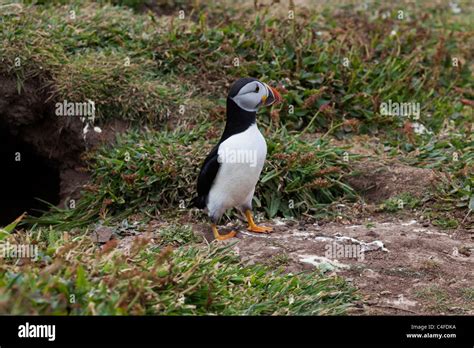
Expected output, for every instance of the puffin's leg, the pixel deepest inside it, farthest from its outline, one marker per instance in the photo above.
(253, 227)
(222, 236)
(215, 215)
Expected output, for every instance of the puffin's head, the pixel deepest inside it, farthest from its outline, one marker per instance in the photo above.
(249, 94)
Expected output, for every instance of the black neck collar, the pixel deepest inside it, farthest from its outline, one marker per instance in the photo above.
(238, 120)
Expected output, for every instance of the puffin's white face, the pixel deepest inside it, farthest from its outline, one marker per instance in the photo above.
(252, 96)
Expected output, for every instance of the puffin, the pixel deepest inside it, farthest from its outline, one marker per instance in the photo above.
(231, 170)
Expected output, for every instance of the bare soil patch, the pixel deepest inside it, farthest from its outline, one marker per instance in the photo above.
(378, 180)
(407, 268)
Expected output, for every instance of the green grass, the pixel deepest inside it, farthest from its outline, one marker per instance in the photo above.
(176, 59)
(279, 260)
(104, 54)
(438, 297)
(400, 202)
(446, 223)
(177, 235)
(155, 172)
(468, 294)
(452, 154)
(73, 275)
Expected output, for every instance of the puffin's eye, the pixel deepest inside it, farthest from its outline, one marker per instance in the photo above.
(257, 89)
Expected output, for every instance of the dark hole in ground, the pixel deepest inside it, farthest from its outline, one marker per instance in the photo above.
(23, 181)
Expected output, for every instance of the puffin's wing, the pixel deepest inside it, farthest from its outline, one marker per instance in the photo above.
(206, 177)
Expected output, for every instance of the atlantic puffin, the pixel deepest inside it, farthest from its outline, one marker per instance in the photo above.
(231, 170)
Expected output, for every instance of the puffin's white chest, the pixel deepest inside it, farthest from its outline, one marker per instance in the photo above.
(241, 158)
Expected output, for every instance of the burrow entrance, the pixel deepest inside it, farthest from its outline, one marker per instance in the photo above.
(39, 151)
(27, 176)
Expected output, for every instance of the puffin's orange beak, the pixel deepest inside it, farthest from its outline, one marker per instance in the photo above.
(274, 96)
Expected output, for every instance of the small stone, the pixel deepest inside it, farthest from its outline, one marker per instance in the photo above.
(372, 234)
(466, 251)
(370, 273)
(102, 234)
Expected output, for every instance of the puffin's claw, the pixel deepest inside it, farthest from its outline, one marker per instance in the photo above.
(259, 229)
(219, 236)
(253, 227)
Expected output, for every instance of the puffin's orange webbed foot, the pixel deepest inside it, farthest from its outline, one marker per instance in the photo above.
(260, 229)
(253, 227)
(218, 236)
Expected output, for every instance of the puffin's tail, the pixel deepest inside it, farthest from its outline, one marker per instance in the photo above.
(198, 202)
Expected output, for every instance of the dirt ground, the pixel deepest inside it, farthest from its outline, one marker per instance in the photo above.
(398, 265)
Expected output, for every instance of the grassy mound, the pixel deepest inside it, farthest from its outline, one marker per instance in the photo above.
(336, 67)
(85, 51)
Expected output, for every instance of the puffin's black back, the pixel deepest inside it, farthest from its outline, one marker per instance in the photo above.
(238, 121)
